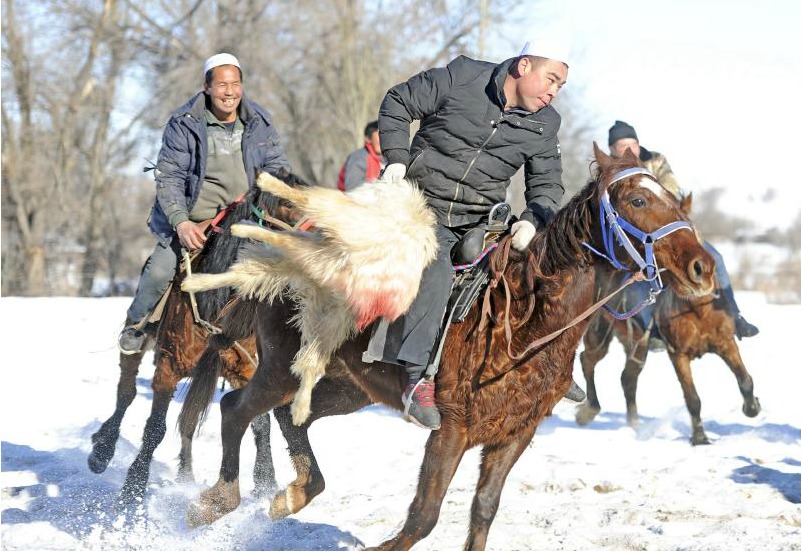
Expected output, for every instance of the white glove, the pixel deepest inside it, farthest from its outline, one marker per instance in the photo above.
(522, 233)
(394, 172)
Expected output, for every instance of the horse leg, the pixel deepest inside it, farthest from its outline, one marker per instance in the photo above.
(730, 354)
(104, 440)
(271, 386)
(184, 474)
(597, 342)
(136, 480)
(264, 473)
(497, 461)
(444, 451)
(682, 366)
(309, 481)
(331, 397)
(637, 350)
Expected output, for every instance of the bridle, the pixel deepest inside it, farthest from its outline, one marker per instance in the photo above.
(615, 229)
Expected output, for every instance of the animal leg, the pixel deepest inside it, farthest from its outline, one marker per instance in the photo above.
(309, 367)
(637, 350)
(104, 440)
(331, 397)
(136, 480)
(270, 386)
(264, 473)
(597, 342)
(732, 356)
(682, 366)
(269, 183)
(497, 461)
(444, 451)
(224, 496)
(328, 331)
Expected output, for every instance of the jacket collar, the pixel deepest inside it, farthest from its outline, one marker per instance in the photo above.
(645, 155)
(495, 88)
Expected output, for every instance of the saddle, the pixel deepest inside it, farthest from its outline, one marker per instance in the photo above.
(469, 257)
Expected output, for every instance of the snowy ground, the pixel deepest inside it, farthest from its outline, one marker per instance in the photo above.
(603, 487)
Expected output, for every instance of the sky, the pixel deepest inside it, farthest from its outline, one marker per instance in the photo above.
(712, 84)
(601, 487)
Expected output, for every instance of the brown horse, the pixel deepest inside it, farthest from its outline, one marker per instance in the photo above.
(178, 342)
(496, 381)
(691, 328)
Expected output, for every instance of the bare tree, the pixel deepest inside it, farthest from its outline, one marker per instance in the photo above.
(28, 189)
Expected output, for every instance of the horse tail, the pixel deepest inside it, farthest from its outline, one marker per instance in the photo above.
(236, 322)
(202, 385)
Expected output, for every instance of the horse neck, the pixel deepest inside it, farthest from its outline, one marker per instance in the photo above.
(221, 249)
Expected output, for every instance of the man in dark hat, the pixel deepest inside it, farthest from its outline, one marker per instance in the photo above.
(622, 137)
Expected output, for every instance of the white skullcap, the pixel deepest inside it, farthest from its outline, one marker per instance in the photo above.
(220, 59)
(549, 46)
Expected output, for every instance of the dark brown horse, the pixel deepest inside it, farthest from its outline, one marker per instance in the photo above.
(178, 342)
(690, 328)
(492, 390)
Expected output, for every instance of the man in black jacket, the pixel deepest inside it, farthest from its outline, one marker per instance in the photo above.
(479, 123)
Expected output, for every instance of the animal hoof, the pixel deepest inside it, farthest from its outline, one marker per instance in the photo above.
(278, 506)
(96, 464)
(752, 409)
(700, 440)
(585, 414)
(214, 503)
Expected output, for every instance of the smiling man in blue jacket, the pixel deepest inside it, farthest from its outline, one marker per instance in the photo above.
(212, 148)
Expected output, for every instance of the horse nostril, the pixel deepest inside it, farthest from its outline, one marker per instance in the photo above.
(696, 270)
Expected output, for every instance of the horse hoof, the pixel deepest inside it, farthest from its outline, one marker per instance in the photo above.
(752, 409)
(585, 414)
(700, 440)
(96, 464)
(214, 503)
(278, 506)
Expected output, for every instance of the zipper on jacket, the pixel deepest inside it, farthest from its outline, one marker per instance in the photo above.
(468, 169)
(495, 124)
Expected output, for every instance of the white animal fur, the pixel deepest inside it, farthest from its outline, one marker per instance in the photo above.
(364, 261)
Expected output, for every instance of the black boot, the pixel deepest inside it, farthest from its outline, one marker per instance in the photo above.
(575, 393)
(743, 328)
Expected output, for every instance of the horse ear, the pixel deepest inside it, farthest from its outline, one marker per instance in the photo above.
(685, 204)
(602, 158)
(631, 157)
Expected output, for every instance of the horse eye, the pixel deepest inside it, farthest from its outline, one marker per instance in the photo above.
(638, 202)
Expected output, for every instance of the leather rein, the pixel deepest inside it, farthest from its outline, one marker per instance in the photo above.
(614, 230)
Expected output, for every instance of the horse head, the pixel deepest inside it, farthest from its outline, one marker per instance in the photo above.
(643, 228)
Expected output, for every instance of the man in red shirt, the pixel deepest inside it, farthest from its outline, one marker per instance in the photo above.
(365, 164)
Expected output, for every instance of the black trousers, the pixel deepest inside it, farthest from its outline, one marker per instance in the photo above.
(415, 333)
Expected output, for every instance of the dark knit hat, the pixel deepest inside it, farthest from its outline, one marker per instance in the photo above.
(620, 130)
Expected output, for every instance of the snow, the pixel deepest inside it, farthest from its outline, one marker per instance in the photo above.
(601, 487)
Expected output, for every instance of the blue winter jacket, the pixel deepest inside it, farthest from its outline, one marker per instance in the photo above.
(181, 167)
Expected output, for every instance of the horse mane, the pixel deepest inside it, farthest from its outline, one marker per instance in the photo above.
(559, 246)
(220, 250)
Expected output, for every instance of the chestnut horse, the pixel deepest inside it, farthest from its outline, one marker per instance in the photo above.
(691, 328)
(496, 380)
(178, 341)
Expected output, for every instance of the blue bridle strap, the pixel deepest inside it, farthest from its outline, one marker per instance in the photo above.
(615, 229)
